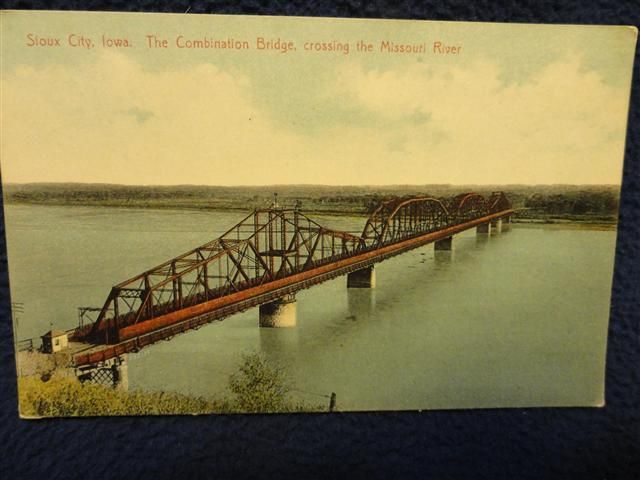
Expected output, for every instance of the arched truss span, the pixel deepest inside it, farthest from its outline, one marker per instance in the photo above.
(468, 206)
(402, 218)
(498, 202)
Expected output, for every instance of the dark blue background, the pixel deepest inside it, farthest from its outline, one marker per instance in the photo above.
(494, 444)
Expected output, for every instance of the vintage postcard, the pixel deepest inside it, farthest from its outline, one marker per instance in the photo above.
(213, 214)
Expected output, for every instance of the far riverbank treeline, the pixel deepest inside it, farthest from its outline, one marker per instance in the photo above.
(597, 203)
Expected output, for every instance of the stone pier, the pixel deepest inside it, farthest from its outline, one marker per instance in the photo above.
(279, 313)
(484, 229)
(361, 302)
(443, 257)
(496, 226)
(365, 278)
(444, 244)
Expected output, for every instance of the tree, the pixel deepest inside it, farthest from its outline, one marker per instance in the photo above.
(258, 387)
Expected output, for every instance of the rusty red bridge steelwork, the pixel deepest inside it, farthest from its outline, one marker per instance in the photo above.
(267, 257)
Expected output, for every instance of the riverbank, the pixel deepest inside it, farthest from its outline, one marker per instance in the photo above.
(586, 222)
(34, 363)
(49, 387)
(65, 396)
(581, 202)
(186, 206)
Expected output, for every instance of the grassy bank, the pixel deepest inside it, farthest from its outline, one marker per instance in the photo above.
(256, 387)
(67, 397)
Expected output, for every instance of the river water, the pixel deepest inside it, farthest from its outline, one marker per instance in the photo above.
(518, 319)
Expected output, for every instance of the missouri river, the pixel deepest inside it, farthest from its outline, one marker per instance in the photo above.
(517, 319)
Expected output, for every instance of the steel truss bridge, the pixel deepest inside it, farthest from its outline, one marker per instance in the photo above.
(269, 255)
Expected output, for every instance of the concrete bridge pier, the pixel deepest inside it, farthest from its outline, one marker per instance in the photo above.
(361, 302)
(365, 278)
(496, 225)
(446, 244)
(443, 250)
(484, 229)
(443, 257)
(506, 223)
(279, 313)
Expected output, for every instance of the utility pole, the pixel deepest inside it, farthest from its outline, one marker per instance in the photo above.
(332, 402)
(16, 308)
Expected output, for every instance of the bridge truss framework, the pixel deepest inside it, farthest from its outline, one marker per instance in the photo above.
(269, 254)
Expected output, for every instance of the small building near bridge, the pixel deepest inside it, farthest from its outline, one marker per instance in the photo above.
(54, 341)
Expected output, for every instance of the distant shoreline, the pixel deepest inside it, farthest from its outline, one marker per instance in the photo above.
(569, 224)
(177, 206)
(584, 206)
(587, 222)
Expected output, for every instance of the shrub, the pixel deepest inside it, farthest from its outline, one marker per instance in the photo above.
(257, 387)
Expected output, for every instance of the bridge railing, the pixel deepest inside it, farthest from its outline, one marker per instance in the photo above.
(27, 345)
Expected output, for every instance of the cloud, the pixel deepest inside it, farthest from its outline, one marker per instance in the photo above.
(563, 125)
(139, 114)
(111, 120)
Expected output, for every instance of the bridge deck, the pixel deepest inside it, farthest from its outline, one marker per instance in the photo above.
(138, 336)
